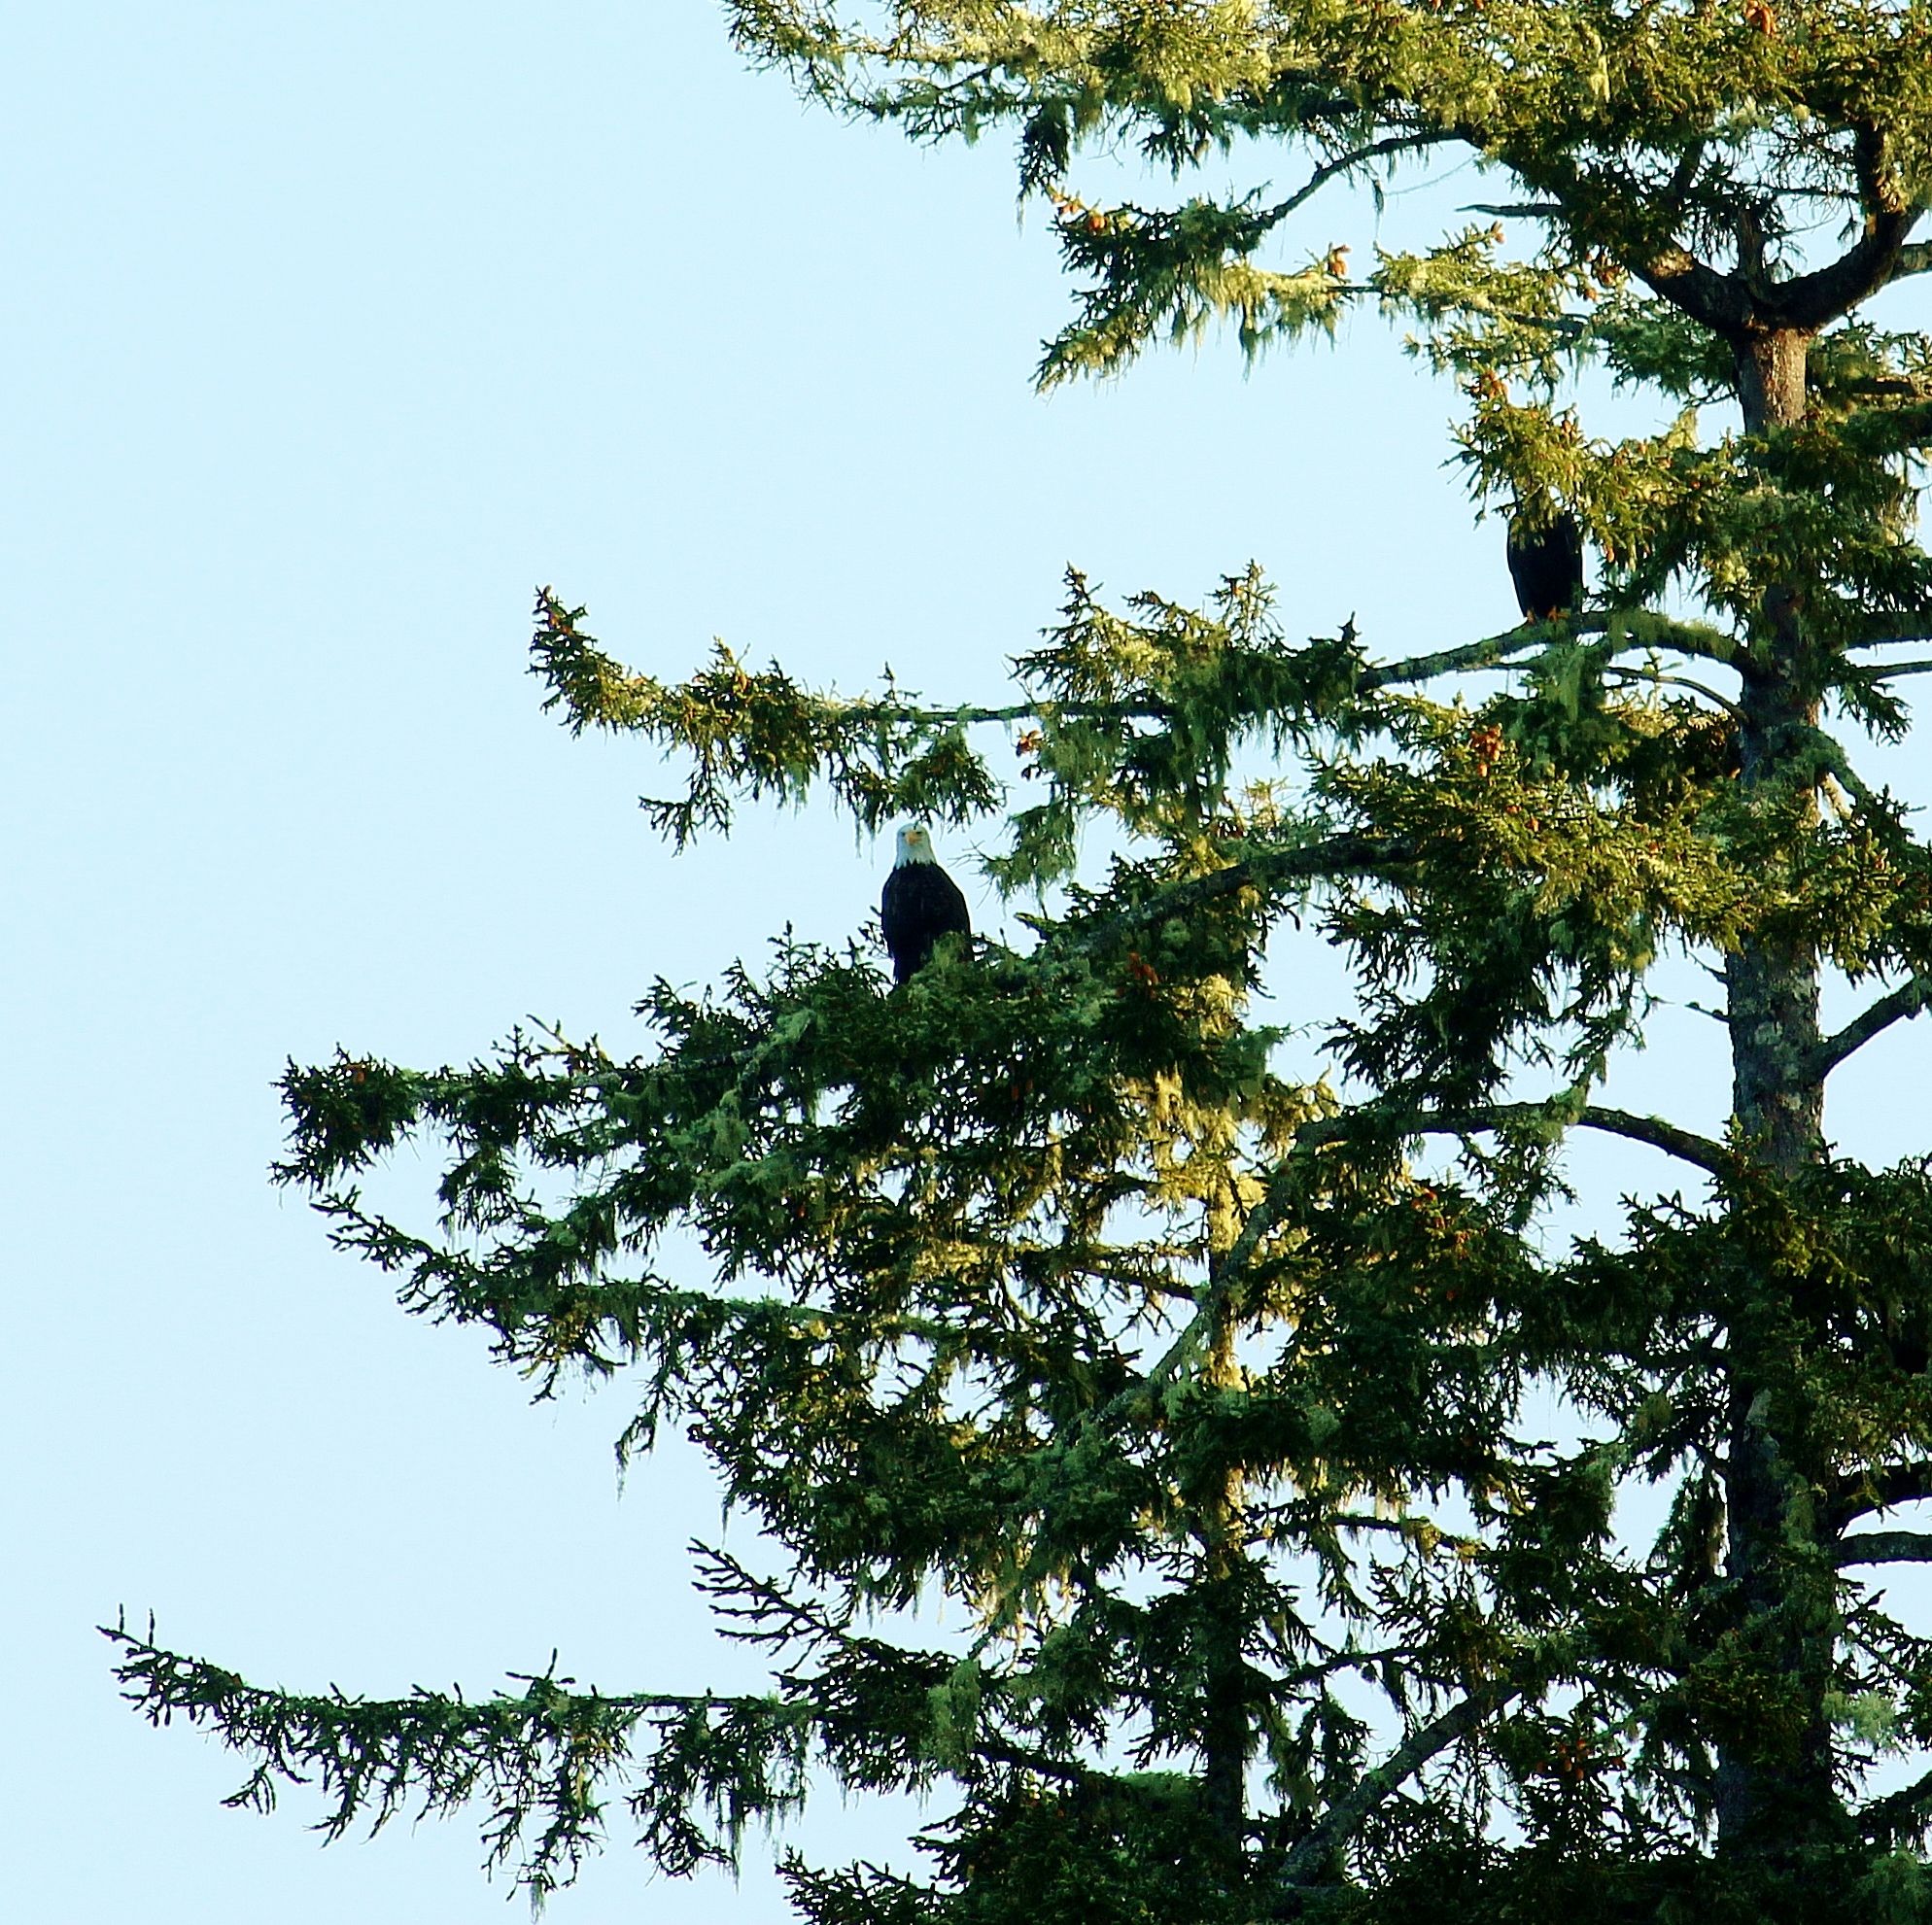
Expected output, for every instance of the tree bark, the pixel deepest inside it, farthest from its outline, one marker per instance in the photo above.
(1775, 1791)
(1227, 1723)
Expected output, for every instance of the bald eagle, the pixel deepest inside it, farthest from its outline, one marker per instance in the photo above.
(1546, 565)
(921, 904)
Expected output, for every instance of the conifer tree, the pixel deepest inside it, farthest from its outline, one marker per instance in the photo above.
(1216, 1397)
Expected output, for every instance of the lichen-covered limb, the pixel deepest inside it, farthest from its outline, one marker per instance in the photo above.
(1631, 631)
(694, 1771)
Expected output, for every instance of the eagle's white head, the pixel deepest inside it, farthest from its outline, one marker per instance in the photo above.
(915, 846)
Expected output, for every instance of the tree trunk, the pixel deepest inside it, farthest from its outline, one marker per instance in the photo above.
(1226, 1727)
(1774, 1790)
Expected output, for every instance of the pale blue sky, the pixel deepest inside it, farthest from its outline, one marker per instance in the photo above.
(330, 331)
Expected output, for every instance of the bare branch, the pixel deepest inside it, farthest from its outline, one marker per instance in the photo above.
(1718, 300)
(1346, 164)
(1907, 1000)
(1024, 1758)
(1900, 633)
(1689, 682)
(1312, 1852)
(1731, 305)
(1683, 1144)
(1812, 300)
(1508, 210)
(1884, 1547)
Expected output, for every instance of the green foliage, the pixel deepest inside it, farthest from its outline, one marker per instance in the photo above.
(1285, 1481)
(761, 734)
(545, 1754)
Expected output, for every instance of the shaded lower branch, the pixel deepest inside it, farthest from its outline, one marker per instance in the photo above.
(1519, 210)
(1895, 635)
(1889, 1821)
(1312, 1852)
(1864, 1492)
(1884, 1547)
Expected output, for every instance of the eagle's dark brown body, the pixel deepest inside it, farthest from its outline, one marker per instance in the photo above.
(1546, 565)
(921, 903)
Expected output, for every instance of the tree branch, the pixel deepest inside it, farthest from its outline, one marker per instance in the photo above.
(1812, 300)
(1885, 1821)
(1913, 257)
(1490, 652)
(1023, 1758)
(1728, 305)
(1696, 687)
(1859, 1495)
(1312, 1852)
(1685, 1145)
(1627, 627)
(1878, 386)
(1682, 1144)
(1898, 635)
(1907, 1000)
(1339, 855)
(1641, 628)
(697, 1766)
(1638, 628)
(1525, 210)
(1884, 1547)
(1718, 301)
(1344, 163)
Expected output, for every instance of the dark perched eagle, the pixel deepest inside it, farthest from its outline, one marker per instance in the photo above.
(921, 904)
(1546, 565)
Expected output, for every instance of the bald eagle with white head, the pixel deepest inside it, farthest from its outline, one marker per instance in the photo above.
(921, 904)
